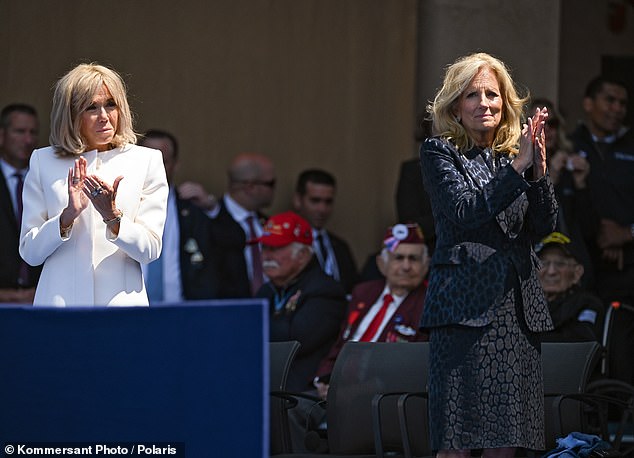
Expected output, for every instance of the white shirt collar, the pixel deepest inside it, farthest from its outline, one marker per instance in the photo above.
(237, 212)
(397, 299)
(8, 170)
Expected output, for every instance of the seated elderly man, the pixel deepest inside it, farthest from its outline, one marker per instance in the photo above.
(305, 304)
(386, 310)
(577, 314)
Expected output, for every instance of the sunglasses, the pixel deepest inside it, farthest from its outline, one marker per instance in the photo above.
(268, 184)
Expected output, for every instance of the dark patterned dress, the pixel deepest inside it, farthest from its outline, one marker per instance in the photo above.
(484, 306)
(489, 394)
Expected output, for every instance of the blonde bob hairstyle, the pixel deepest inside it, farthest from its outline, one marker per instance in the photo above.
(457, 77)
(74, 93)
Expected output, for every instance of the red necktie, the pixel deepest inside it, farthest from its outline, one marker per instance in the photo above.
(377, 320)
(256, 259)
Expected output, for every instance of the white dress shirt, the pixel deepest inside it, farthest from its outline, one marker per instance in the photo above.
(367, 319)
(170, 254)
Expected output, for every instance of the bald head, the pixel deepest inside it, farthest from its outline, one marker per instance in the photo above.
(248, 167)
(251, 180)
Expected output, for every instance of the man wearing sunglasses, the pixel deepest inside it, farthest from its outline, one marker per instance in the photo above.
(250, 188)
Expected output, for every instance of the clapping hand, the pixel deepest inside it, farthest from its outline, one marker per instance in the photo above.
(84, 189)
(77, 200)
(533, 145)
(102, 195)
(536, 126)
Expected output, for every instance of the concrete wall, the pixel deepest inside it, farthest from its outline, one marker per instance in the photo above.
(312, 83)
(517, 32)
(590, 30)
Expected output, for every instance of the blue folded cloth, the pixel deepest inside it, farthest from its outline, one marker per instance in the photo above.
(577, 445)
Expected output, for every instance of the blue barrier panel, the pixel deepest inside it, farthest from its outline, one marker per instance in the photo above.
(190, 376)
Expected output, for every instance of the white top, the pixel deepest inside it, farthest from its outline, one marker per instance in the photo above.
(92, 266)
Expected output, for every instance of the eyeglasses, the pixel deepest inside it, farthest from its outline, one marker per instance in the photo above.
(556, 264)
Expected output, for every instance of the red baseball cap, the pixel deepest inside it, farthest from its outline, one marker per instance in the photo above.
(284, 229)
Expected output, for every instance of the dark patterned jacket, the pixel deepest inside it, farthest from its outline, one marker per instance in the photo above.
(487, 221)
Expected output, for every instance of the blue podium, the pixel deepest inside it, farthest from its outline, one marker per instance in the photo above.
(195, 375)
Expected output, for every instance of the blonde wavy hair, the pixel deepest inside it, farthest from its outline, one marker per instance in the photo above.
(457, 77)
(74, 93)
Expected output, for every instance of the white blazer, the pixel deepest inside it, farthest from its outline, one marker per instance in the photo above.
(92, 266)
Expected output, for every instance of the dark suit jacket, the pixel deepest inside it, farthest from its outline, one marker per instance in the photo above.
(198, 275)
(10, 235)
(412, 201)
(402, 327)
(312, 309)
(227, 244)
(487, 220)
(349, 275)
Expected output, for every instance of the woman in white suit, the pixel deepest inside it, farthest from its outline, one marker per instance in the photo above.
(94, 201)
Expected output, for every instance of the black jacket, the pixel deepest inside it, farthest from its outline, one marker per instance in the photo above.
(227, 244)
(198, 275)
(348, 273)
(567, 312)
(610, 182)
(412, 201)
(311, 310)
(10, 235)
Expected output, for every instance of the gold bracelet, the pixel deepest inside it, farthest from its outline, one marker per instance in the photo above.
(116, 219)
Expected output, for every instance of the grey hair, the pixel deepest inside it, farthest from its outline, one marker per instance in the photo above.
(297, 247)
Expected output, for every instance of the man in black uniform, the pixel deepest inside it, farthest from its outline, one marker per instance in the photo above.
(609, 149)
